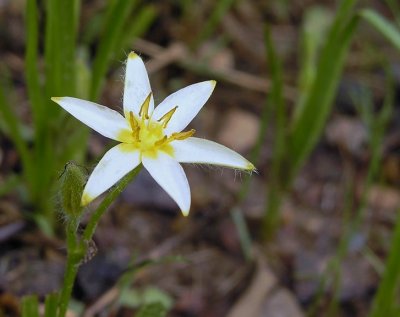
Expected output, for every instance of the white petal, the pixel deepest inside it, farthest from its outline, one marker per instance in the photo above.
(195, 150)
(101, 119)
(114, 165)
(170, 176)
(137, 85)
(189, 101)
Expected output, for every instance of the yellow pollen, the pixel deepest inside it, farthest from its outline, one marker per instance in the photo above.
(144, 109)
(148, 136)
(165, 118)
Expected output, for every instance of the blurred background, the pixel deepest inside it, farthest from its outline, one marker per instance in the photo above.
(306, 91)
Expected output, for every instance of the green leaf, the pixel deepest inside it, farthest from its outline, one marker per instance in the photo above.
(51, 305)
(30, 306)
(385, 27)
(316, 23)
(60, 46)
(308, 125)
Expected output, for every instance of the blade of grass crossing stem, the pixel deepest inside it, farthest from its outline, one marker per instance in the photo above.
(277, 104)
(220, 9)
(30, 306)
(383, 304)
(117, 14)
(307, 129)
(384, 26)
(51, 305)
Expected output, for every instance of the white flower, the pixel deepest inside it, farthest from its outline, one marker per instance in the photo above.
(151, 136)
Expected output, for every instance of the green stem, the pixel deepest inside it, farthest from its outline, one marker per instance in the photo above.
(76, 252)
(271, 217)
(77, 248)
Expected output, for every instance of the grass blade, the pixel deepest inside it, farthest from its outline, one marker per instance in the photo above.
(385, 27)
(220, 9)
(277, 105)
(316, 23)
(308, 126)
(139, 25)
(31, 57)
(67, 20)
(385, 297)
(51, 305)
(117, 15)
(30, 306)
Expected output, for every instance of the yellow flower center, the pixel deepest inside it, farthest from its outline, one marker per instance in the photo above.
(147, 135)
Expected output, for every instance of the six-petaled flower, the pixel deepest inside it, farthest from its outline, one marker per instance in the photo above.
(151, 136)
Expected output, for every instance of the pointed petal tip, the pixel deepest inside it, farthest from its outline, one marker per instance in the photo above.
(213, 83)
(86, 199)
(251, 167)
(185, 213)
(132, 55)
(56, 99)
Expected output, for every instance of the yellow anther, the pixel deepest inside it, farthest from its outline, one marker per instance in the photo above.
(132, 120)
(144, 109)
(134, 125)
(165, 118)
(182, 135)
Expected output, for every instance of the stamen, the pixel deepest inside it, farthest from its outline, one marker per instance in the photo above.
(165, 118)
(134, 125)
(182, 135)
(144, 109)
(161, 141)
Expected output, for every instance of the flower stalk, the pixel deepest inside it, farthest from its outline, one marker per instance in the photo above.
(77, 247)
